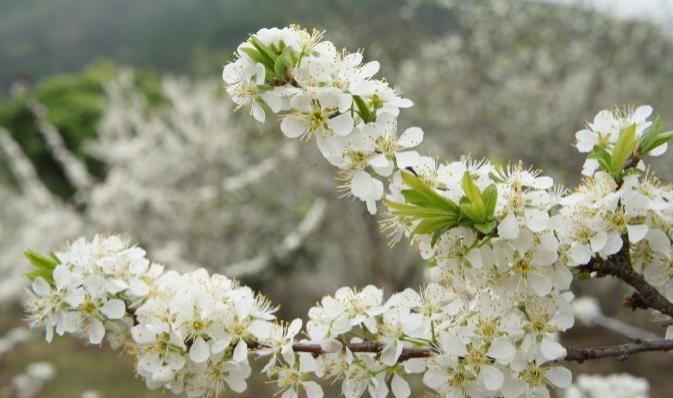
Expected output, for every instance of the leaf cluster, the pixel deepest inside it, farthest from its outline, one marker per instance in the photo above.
(44, 265)
(629, 148)
(278, 61)
(437, 214)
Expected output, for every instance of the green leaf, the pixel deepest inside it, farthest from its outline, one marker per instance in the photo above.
(41, 261)
(258, 58)
(284, 63)
(265, 51)
(438, 233)
(254, 55)
(625, 146)
(647, 139)
(435, 213)
(602, 156)
(426, 194)
(431, 225)
(279, 67)
(417, 198)
(487, 227)
(469, 210)
(490, 198)
(421, 212)
(277, 50)
(44, 265)
(472, 204)
(363, 109)
(470, 189)
(661, 139)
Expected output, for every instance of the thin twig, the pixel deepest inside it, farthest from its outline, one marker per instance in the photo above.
(621, 352)
(370, 347)
(579, 355)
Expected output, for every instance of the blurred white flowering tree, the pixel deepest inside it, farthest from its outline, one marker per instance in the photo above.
(522, 73)
(57, 221)
(174, 173)
(182, 168)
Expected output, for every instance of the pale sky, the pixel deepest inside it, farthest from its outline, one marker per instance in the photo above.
(658, 11)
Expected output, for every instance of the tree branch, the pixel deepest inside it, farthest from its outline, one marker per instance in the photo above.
(621, 352)
(579, 355)
(371, 347)
(619, 266)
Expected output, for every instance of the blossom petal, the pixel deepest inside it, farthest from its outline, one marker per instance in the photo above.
(342, 125)
(313, 389)
(114, 309)
(659, 150)
(453, 345)
(641, 113)
(540, 284)
(580, 253)
(636, 232)
(294, 126)
(302, 102)
(559, 376)
(260, 329)
(199, 352)
(502, 350)
(551, 349)
(491, 377)
(258, 112)
(598, 241)
(411, 137)
(96, 332)
(509, 227)
(400, 387)
(273, 100)
(41, 287)
(586, 140)
(241, 351)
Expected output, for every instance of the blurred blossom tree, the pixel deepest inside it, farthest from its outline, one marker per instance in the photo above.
(73, 104)
(181, 165)
(520, 73)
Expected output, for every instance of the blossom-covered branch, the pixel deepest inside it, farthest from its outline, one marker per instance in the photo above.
(621, 352)
(503, 243)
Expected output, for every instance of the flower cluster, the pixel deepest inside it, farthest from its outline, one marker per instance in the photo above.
(191, 334)
(194, 332)
(475, 343)
(188, 332)
(605, 130)
(630, 210)
(328, 94)
(90, 288)
(595, 218)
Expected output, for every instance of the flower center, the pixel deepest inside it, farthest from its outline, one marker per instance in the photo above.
(89, 307)
(521, 267)
(533, 375)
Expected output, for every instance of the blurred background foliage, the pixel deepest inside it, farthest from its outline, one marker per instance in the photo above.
(510, 79)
